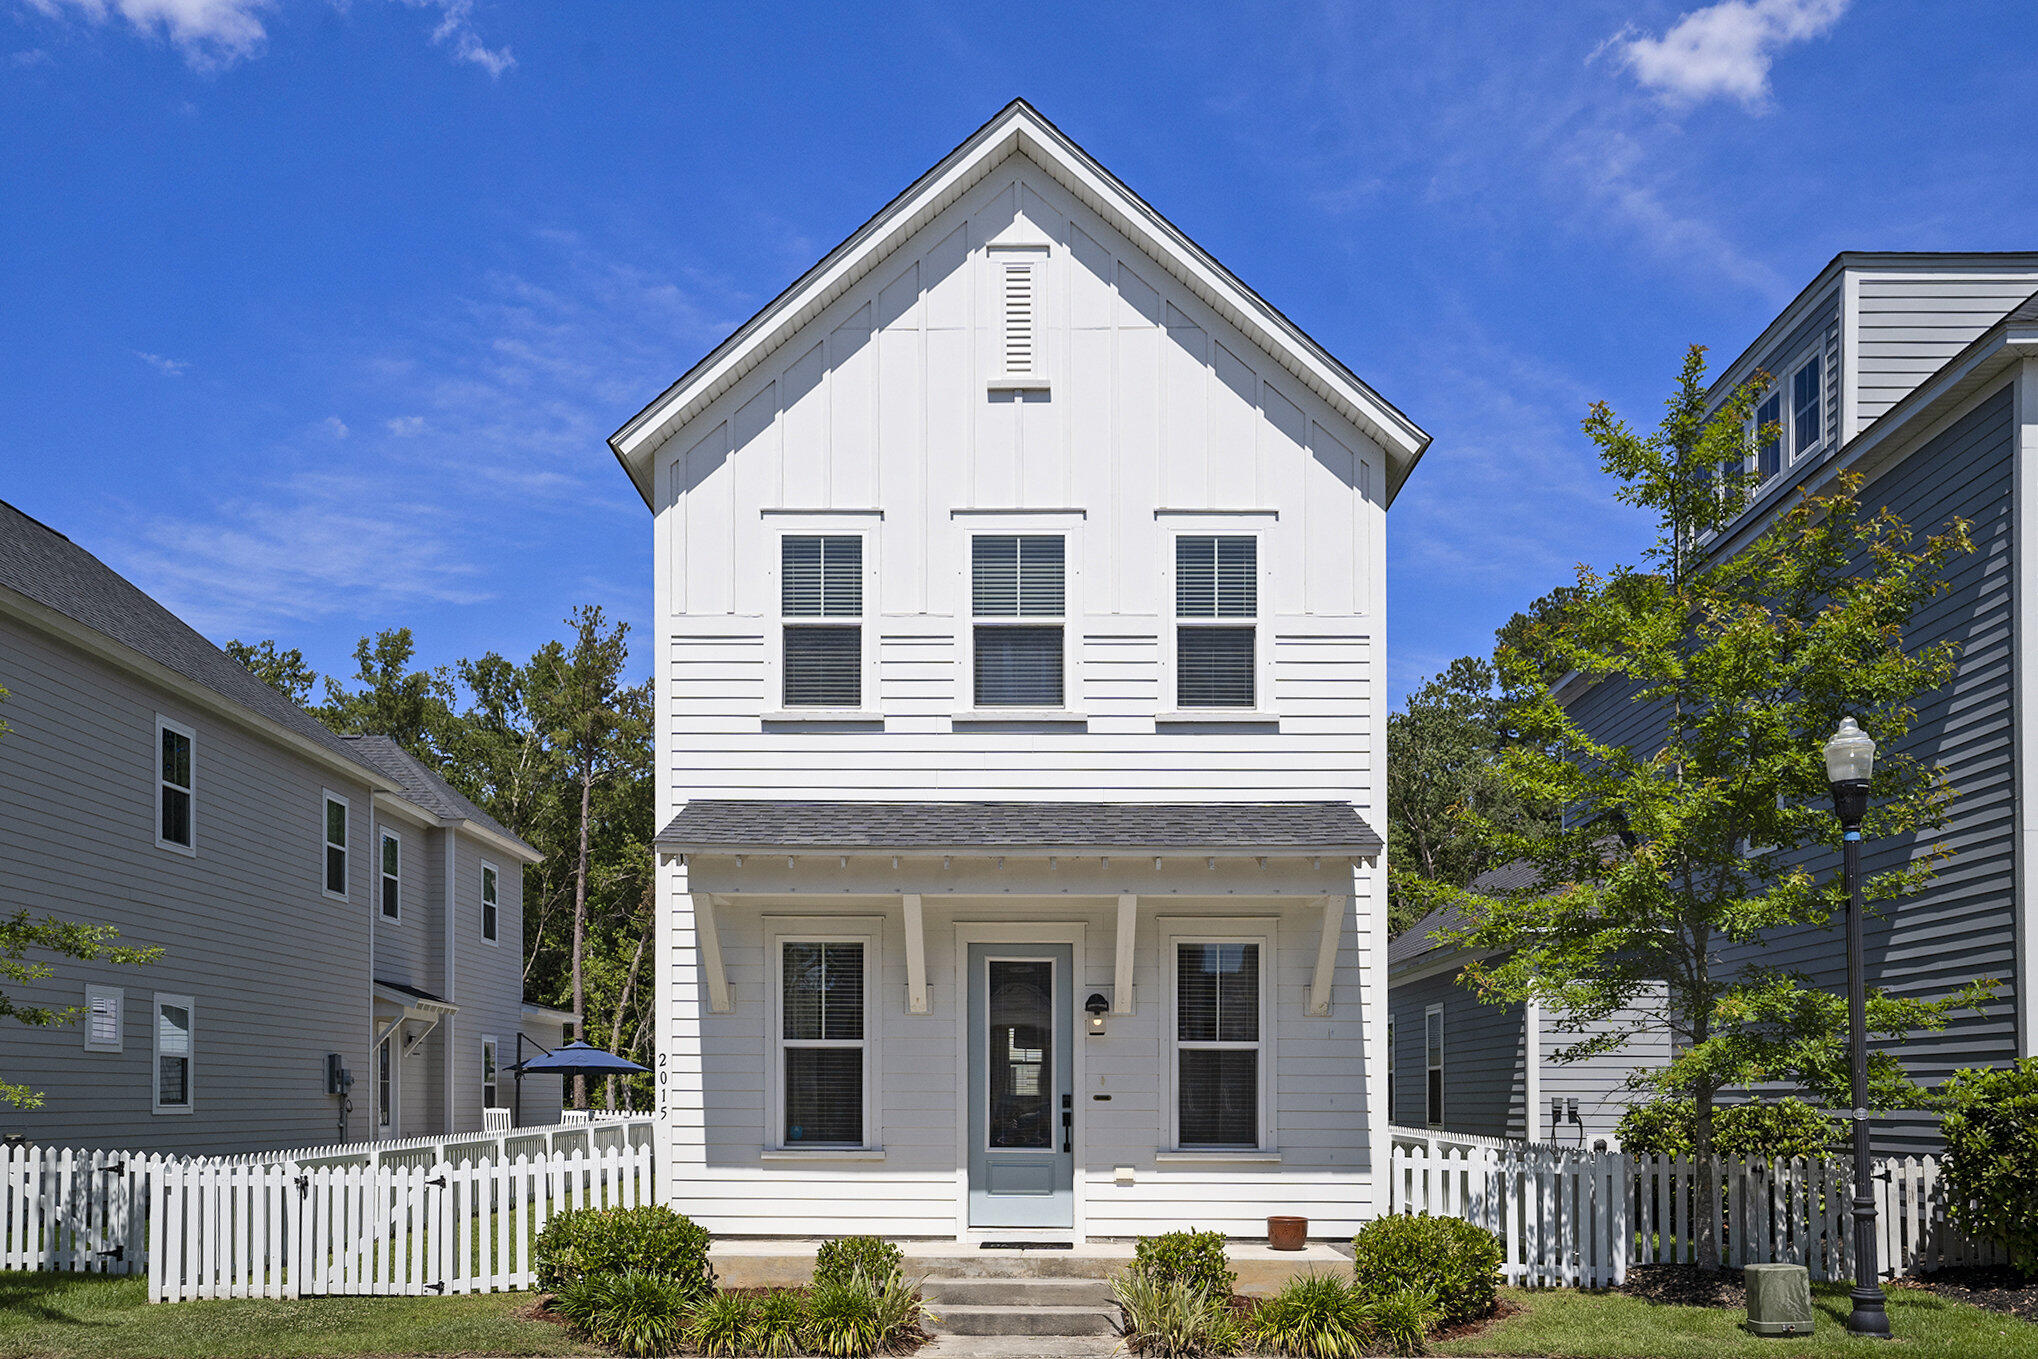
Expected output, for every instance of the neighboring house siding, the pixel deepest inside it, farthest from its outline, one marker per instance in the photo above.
(1483, 1050)
(487, 978)
(277, 971)
(1909, 325)
(1599, 1082)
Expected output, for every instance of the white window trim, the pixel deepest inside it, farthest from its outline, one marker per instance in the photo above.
(869, 932)
(823, 525)
(491, 1057)
(393, 1045)
(156, 1004)
(1262, 708)
(1216, 931)
(1023, 526)
(326, 846)
(382, 874)
(489, 870)
(1783, 386)
(159, 783)
(1438, 1067)
(94, 992)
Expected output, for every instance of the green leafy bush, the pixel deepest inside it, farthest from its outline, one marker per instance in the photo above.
(722, 1324)
(857, 1317)
(1315, 1316)
(778, 1322)
(1175, 1318)
(1403, 1319)
(1455, 1262)
(1786, 1127)
(651, 1240)
(1196, 1258)
(843, 1256)
(1991, 1132)
(638, 1313)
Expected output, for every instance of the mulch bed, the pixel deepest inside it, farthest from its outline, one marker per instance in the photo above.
(1464, 1330)
(1996, 1288)
(1686, 1286)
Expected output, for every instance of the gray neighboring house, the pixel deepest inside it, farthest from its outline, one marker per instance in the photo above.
(1920, 372)
(315, 895)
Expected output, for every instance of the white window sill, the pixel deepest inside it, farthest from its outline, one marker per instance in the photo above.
(822, 715)
(1017, 382)
(1020, 715)
(188, 851)
(823, 1154)
(1189, 1156)
(1258, 716)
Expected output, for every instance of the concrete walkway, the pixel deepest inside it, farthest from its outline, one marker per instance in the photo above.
(1020, 1347)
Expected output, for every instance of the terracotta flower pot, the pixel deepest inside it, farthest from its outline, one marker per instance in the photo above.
(1287, 1233)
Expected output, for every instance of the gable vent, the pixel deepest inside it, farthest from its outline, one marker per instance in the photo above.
(1020, 306)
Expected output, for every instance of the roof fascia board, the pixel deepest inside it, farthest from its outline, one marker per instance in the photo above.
(416, 811)
(122, 656)
(1438, 959)
(984, 849)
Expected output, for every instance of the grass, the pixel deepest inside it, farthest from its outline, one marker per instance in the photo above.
(1579, 1325)
(58, 1316)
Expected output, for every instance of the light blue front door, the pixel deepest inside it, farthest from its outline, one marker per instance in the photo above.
(1021, 1086)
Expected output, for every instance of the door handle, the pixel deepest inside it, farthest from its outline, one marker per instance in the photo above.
(1068, 1122)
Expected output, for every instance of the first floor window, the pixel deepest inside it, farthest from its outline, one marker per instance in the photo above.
(1018, 596)
(488, 902)
(822, 1052)
(821, 603)
(1433, 1065)
(385, 1080)
(1390, 1071)
(392, 875)
(176, 785)
(490, 1098)
(102, 1018)
(336, 845)
(1217, 1044)
(174, 1047)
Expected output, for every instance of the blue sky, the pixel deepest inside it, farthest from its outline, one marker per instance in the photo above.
(317, 312)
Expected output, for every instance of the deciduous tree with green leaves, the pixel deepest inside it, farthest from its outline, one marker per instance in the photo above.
(1689, 846)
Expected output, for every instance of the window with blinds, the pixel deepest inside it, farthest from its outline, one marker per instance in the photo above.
(102, 1018)
(1216, 607)
(821, 601)
(1217, 1044)
(821, 1042)
(174, 1049)
(1021, 578)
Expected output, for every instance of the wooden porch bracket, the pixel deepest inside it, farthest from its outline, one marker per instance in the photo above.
(1326, 955)
(709, 938)
(1121, 960)
(916, 957)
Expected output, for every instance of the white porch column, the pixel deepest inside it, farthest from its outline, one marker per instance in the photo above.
(1121, 961)
(916, 957)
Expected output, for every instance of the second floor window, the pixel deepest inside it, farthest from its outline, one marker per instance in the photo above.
(176, 785)
(1019, 594)
(1806, 406)
(488, 902)
(1769, 436)
(392, 875)
(821, 602)
(336, 846)
(1216, 604)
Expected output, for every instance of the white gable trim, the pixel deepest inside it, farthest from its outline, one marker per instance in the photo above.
(1017, 129)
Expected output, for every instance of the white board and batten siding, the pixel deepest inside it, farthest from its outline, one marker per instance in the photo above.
(1151, 415)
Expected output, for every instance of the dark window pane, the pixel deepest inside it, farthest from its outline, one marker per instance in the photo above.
(336, 869)
(1018, 667)
(1220, 1097)
(176, 815)
(1021, 1024)
(823, 667)
(1217, 993)
(173, 1080)
(1214, 667)
(1804, 405)
(1436, 1097)
(336, 824)
(821, 576)
(1768, 436)
(390, 905)
(488, 920)
(176, 758)
(822, 986)
(824, 1095)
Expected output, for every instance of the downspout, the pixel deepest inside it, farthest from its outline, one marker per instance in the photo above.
(1532, 1057)
(2024, 710)
(374, 911)
(452, 935)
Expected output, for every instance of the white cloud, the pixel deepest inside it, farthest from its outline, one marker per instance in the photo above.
(456, 32)
(167, 367)
(210, 33)
(404, 426)
(34, 56)
(334, 426)
(1724, 50)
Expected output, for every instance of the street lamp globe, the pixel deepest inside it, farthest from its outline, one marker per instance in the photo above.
(1850, 754)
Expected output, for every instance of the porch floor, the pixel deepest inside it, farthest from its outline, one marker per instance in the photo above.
(773, 1262)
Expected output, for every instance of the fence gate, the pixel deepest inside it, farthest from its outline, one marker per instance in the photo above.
(77, 1211)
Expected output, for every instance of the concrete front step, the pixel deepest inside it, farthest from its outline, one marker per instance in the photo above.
(1005, 1320)
(1015, 1292)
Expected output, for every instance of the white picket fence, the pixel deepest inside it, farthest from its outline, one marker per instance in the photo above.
(577, 1129)
(274, 1230)
(1581, 1218)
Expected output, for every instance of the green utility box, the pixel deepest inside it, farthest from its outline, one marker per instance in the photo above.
(1779, 1299)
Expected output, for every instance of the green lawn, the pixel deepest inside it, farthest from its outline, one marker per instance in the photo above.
(56, 1316)
(1579, 1325)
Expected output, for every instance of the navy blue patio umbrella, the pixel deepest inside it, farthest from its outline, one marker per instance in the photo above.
(577, 1058)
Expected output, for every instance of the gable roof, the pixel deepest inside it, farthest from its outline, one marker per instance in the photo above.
(1019, 128)
(43, 567)
(423, 786)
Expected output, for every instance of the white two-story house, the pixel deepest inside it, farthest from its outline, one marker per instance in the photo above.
(1021, 717)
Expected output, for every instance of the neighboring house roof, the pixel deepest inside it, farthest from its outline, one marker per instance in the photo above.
(1019, 128)
(422, 785)
(1415, 941)
(48, 569)
(1266, 828)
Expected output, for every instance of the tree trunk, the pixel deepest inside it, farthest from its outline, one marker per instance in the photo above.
(580, 921)
(622, 1008)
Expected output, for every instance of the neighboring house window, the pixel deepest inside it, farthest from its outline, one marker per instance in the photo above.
(488, 902)
(1014, 577)
(385, 1082)
(821, 577)
(1807, 405)
(1218, 1056)
(1769, 436)
(1433, 1064)
(102, 1018)
(176, 785)
(392, 875)
(1390, 1071)
(336, 845)
(489, 1096)
(823, 1057)
(175, 1045)
(1216, 603)
(1790, 419)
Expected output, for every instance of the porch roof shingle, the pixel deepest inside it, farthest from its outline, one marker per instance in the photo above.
(1287, 829)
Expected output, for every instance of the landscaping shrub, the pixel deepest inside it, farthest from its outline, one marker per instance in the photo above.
(721, 1324)
(632, 1311)
(1174, 1318)
(843, 1256)
(1196, 1258)
(1775, 1128)
(777, 1323)
(1455, 1262)
(1315, 1316)
(858, 1317)
(1403, 1319)
(1991, 1132)
(650, 1240)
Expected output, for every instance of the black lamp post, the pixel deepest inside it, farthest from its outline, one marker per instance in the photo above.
(1850, 762)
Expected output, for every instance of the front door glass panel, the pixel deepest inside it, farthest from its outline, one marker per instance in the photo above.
(1021, 1055)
